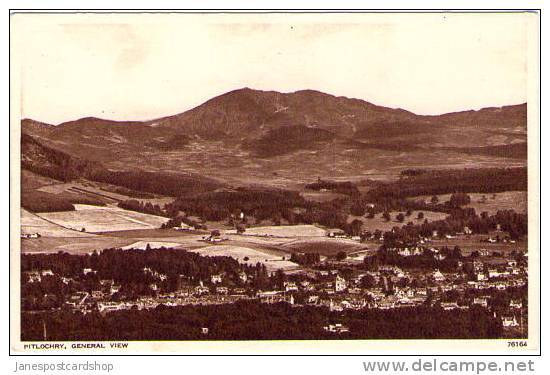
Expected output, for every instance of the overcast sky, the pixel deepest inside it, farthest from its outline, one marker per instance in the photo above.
(141, 67)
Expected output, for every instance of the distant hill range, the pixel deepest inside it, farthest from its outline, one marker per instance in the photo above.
(269, 123)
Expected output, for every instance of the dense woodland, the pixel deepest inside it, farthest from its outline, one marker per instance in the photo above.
(127, 265)
(484, 180)
(344, 187)
(251, 320)
(127, 269)
(511, 223)
(38, 201)
(220, 205)
(168, 184)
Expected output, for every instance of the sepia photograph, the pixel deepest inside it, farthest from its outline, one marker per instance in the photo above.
(201, 181)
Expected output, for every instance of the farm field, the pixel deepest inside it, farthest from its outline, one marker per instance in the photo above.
(516, 200)
(283, 231)
(271, 262)
(142, 245)
(153, 233)
(321, 196)
(379, 223)
(76, 245)
(468, 244)
(31, 223)
(327, 247)
(102, 219)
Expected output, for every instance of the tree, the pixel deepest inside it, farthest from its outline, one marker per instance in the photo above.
(434, 200)
(357, 209)
(215, 233)
(368, 281)
(409, 212)
(459, 199)
(400, 217)
(420, 215)
(241, 229)
(355, 227)
(370, 215)
(341, 255)
(386, 216)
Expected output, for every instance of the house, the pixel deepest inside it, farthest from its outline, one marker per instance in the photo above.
(516, 304)
(493, 272)
(33, 277)
(439, 256)
(30, 235)
(481, 277)
(477, 266)
(406, 252)
(105, 307)
(438, 276)
(183, 227)
(97, 294)
(290, 286)
(467, 230)
(47, 273)
(213, 238)
(106, 282)
(339, 284)
(77, 299)
(86, 271)
(484, 252)
(509, 321)
(449, 305)
(337, 234)
(222, 290)
(336, 328)
(421, 292)
(385, 305)
(201, 289)
(215, 279)
(114, 289)
(312, 300)
(305, 284)
(482, 301)
(243, 277)
(271, 296)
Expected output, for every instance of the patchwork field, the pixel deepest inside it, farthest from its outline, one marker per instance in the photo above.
(516, 200)
(31, 223)
(284, 231)
(253, 256)
(103, 219)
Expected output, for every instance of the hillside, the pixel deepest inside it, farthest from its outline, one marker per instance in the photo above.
(58, 165)
(262, 132)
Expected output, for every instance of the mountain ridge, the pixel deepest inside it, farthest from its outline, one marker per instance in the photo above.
(270, 123)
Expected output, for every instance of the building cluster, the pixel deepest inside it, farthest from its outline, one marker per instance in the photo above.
(476, 282)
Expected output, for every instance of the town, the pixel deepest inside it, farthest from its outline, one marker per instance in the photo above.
(389, 278)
